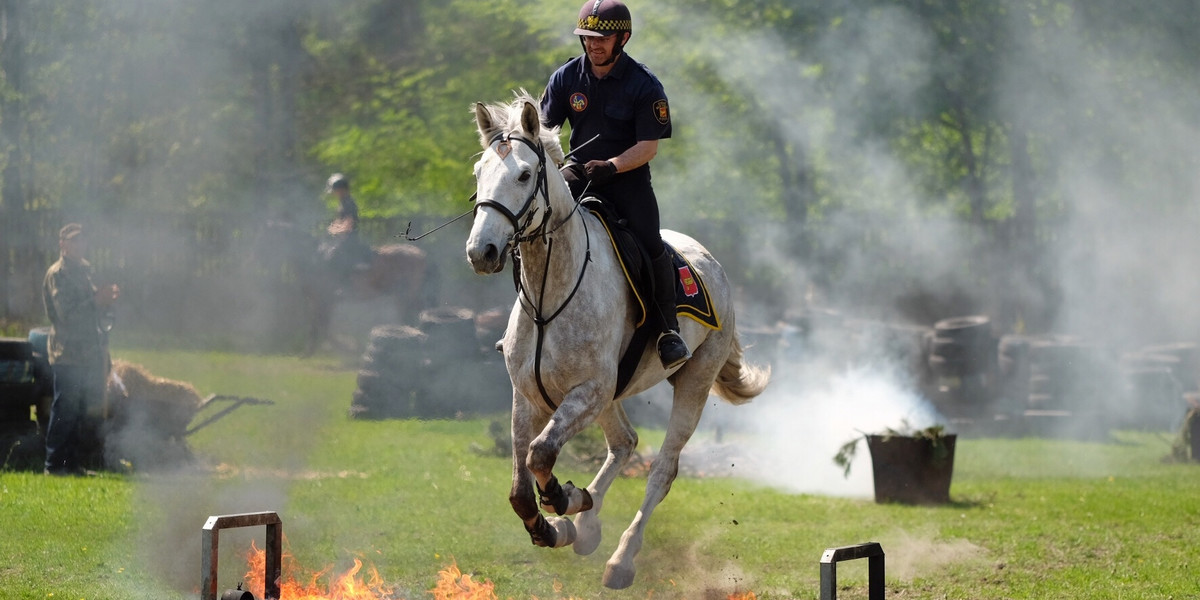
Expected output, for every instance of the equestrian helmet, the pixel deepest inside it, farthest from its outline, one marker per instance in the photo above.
(337, 181)
(599, 18)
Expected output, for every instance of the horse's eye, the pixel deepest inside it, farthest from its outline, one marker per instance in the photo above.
(524, 176)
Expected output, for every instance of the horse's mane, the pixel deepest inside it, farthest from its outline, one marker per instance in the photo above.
(507, 118)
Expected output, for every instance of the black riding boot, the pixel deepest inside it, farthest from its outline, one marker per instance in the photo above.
(672, 350)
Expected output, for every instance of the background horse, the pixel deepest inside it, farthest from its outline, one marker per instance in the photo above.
(395, 271)
(572, 320)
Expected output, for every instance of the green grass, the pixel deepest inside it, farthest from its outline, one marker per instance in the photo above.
(1030, 518)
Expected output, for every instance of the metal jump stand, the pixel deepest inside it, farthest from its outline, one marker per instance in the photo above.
(273, 549)
(871, 551)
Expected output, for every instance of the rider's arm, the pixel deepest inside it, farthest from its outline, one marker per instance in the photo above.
(636, 156)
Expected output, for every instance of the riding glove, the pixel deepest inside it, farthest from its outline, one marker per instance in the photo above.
(599, 172)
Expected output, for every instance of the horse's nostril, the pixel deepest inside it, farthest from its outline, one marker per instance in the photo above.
(492, 253)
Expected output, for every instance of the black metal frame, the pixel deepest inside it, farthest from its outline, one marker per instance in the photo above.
(273, 548)
(871, 551)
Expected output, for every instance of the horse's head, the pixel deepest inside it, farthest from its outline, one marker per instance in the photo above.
(511, 179)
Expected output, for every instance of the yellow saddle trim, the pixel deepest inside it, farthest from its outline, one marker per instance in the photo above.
(707, 318)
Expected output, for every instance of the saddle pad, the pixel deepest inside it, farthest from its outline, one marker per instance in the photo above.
(691, 295)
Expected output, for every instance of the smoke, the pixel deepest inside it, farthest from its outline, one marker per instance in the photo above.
(1091, 99)
(819, 399)
(1114, 182)
(1128, 182)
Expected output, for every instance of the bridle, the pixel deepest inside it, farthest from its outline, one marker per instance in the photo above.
(523, 233)
(540, 186)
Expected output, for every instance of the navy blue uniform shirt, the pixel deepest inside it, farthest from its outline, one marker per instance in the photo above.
(625, 107)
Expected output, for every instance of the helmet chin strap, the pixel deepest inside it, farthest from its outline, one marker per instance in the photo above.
(618, 49)
(612, 59)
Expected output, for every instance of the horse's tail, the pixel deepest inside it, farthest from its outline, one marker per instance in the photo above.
(738, 382)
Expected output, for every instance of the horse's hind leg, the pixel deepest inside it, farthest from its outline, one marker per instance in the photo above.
(622, 440)
(689, 399)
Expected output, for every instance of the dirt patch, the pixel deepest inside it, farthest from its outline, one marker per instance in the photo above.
(910, 556)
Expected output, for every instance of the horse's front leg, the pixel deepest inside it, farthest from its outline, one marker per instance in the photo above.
(578, 409)
(552, 532)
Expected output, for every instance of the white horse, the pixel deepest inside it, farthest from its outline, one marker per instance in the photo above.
(571, 323)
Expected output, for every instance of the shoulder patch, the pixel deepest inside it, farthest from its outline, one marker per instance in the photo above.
(661, 112)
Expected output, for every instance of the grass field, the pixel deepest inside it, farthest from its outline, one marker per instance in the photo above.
(1030, 518)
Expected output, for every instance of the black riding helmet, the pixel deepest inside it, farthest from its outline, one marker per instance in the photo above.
(600, 18)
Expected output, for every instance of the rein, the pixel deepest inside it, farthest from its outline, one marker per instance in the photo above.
(534, 309)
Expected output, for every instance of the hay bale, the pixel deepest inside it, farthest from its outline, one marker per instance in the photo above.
(137, 398)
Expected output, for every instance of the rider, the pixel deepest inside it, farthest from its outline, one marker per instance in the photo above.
(348, 253)
(606, 94)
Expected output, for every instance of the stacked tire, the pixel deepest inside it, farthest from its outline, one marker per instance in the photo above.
(19, 387)
(441, 370)
(1158, 379)
(1072, 375)
(393, 371)
(461, 380)
(963, 349)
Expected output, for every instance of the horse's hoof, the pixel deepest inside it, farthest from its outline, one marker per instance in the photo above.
(617, 577)
(586, 500)
(565, 533)
(572, 500)
(589, 535)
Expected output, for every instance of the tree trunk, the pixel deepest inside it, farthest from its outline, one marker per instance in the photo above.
(11, 199)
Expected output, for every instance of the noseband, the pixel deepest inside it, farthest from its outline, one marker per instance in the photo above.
(519, 230)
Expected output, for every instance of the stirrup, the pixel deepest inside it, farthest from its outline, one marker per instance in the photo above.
(672, 350)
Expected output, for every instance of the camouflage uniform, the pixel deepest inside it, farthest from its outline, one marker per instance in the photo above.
(78, 355)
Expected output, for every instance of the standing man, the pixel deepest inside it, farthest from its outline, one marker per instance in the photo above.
(78, 348)
(607, 95)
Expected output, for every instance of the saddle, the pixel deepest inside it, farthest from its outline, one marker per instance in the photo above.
(691, 296)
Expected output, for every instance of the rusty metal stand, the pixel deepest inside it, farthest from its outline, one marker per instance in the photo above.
(871, 551)
(273, 549)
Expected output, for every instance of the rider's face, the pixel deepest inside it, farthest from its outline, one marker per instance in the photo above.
(600, 50)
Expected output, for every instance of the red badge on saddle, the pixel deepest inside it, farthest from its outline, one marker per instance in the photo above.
(689, 283)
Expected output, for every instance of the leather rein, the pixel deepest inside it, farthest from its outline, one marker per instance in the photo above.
(521, 234)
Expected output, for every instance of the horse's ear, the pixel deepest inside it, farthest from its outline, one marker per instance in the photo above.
(530, 121)
(483, 119)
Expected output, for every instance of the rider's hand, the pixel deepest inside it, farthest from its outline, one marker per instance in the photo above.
(105, 296)
(600, 172)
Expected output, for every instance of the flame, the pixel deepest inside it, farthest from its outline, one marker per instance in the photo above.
(452, 583)
(346, 586)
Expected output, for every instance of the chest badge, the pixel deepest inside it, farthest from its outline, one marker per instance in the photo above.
(578, 101)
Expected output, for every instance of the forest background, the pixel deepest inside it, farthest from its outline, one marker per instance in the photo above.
(1034, 160)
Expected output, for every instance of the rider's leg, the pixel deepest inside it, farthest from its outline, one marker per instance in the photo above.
(672, 350)
(635, 200)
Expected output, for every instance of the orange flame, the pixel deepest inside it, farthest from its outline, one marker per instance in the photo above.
(452, 583)
(347, 586)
